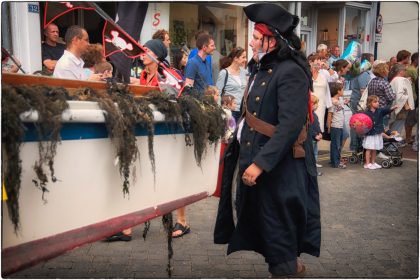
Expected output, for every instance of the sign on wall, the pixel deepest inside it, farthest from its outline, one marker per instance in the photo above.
(379, 23)
(33, 8)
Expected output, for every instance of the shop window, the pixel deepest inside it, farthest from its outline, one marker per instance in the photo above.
(226, 23)
(328, 22)
(355, 26)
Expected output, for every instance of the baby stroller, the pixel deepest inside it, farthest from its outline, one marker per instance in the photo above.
(392, 151)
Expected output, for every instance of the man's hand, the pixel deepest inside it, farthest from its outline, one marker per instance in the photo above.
(251, 174)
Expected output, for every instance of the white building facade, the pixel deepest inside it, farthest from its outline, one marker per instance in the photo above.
(331, 23)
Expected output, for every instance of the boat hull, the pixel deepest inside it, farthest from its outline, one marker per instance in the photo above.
(87, 202)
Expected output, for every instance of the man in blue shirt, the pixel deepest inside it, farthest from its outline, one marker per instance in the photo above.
(198, 69)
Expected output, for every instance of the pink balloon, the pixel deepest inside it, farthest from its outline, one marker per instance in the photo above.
(361, 123)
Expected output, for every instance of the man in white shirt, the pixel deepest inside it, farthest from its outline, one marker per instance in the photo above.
(70, 65)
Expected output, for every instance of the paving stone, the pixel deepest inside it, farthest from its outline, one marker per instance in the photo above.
(369, 230)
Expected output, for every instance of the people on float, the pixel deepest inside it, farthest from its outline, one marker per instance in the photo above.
(70, 65)
(51, 48)
(277, 214)
(7, 64)
(232, 78)
(198, 70)
(92, 56)
(179, 61)
(373, 140)
(105, 69)
(163, 35)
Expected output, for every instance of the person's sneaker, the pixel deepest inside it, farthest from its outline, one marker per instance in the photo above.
(342, 166)
(372, 167)
(377, 166)
(318, 165)
(367, 166)
(382, 156)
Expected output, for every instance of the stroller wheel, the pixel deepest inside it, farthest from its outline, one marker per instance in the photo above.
(396, 162)
(386, 164)
(353, 159)
(360, 156)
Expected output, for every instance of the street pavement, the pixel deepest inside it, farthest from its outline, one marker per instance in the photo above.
(369, 230)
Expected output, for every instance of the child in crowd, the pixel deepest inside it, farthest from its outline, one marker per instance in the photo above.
(229, 104)
(104, 68)
(315, 129)
(212, 91)
(373, 140)
(335, 123)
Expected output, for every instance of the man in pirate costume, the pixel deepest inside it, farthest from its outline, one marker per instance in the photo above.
(277, 199)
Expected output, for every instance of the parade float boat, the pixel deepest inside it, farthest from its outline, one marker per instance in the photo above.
(86, 203)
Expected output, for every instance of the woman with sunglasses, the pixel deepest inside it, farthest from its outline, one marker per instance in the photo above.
(232, 80)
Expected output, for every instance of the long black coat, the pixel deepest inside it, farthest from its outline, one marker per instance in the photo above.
(279, 217)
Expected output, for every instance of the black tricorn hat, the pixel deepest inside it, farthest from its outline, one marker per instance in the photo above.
(272, 15)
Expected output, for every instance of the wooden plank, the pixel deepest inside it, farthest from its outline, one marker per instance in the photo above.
(28, 254)
(21, 79)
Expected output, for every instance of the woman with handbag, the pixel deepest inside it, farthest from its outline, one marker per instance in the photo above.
(233, 79)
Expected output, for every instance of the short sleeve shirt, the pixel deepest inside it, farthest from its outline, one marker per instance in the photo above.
(199, 71)
(70, 67)
(337, 111)
(53, 53)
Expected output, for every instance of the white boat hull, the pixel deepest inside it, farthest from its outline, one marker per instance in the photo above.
(88, 195)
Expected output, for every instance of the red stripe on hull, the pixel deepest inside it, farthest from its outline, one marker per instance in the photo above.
(25, 255)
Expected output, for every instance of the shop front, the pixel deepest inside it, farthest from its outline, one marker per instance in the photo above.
(330, 23)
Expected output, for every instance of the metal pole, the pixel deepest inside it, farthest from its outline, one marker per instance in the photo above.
(14, 61)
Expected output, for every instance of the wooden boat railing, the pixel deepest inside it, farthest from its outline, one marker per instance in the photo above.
(70, 85)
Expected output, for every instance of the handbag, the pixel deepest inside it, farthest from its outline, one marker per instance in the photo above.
(363, 99)
(224, 84)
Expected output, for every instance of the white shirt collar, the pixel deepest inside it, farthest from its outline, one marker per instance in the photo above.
(78, 61)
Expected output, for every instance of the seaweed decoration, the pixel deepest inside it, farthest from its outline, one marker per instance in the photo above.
(216, 122)
(195, 119)
(49, 103)
(12, 133)
(167, 105)
(167, 221)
